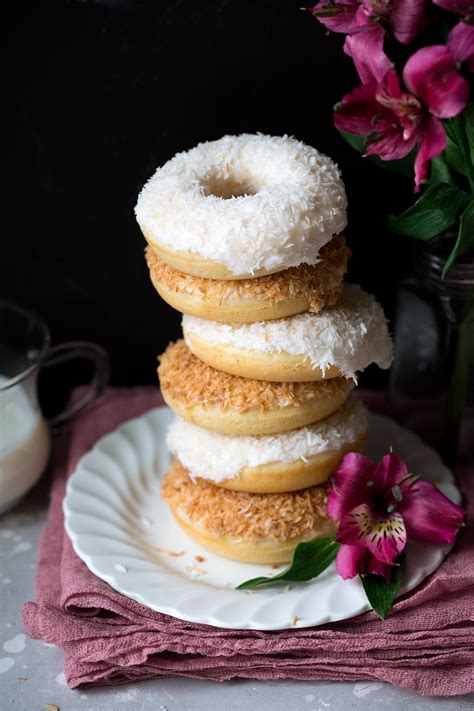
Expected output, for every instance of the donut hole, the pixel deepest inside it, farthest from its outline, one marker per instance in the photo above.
(229, 186)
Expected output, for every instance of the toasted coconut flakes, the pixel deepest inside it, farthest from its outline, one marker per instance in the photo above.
(194, 570)
(273, 517)
(294, 619)
(172, 554)
(199, 558)
(187, 379)
(319, 284)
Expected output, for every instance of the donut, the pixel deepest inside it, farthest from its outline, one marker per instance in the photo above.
(242, 206)
(340, 340)
(239, 406)
(255, 528)
(268, 464)
(292, 291)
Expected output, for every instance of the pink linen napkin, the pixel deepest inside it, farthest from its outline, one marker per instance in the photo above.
(426, 644)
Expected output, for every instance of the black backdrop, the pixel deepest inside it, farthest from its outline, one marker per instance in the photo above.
(100, 93)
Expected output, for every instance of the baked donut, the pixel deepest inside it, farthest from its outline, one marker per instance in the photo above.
(340, 340)
(239, 406)
(292, 291)
(242, 206)
(268, 464)
(256, 528)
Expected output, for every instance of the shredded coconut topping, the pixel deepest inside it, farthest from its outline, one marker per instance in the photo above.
(320, 284)
(248, 202)
(217, 457)
(247, 517)
(350, 335)
(190, 381)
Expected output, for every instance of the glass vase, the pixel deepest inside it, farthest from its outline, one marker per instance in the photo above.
(432, 378)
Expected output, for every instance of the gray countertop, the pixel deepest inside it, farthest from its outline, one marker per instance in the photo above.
(31, 672)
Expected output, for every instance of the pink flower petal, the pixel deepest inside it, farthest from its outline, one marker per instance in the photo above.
(431, 74)
(337, 15)
(355, 560)
(357, 110)
(408, 19)
(384, 537)
(366, 50)
(389, 470)
(428, 514)
(360, 114)
(461, 42)
(372, 11)
(349, 485)
(395, 129)
(433, 143)
(349, 561)
(375, 566)
(391, 145)
(389, 89)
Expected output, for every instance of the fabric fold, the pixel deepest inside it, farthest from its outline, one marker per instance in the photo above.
(426, 644)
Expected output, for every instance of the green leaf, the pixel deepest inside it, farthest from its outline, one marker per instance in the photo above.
(454, 152)
(469, 128)
(460, 149)
(441, 172)
(437, 209)
(380, 593)
(402, 166)
(465, 239)
(309, 560)
(356, 142)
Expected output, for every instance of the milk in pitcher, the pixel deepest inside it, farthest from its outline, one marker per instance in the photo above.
(24, 444)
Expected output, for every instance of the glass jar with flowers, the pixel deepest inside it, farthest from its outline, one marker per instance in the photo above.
(411, 111)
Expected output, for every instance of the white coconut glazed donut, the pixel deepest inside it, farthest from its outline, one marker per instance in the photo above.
(242, 206)
(287, 461)
(340, 340)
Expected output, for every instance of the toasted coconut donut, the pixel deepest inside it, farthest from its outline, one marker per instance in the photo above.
(340, 340)
(269, 464)
(240, 406)
(242, 206)
(293, 291)
(256, 528)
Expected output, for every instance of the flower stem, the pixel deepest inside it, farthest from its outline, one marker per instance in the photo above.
(458, 388)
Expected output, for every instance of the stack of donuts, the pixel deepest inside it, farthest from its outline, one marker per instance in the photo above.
(245, 239)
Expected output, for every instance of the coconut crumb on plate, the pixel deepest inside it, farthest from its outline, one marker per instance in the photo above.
(172, 554)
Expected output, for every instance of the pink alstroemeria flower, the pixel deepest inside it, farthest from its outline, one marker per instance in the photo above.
(364, 21)
(393, 121)
(404, 17)
(461, 37)
(378, 508)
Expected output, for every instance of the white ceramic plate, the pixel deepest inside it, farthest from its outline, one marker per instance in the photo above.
(125, 534)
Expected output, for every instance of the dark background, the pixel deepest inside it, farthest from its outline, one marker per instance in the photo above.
(100, 93)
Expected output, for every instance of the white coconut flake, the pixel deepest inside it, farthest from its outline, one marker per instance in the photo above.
(216, 456)
(248, 202)
(350, 335)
